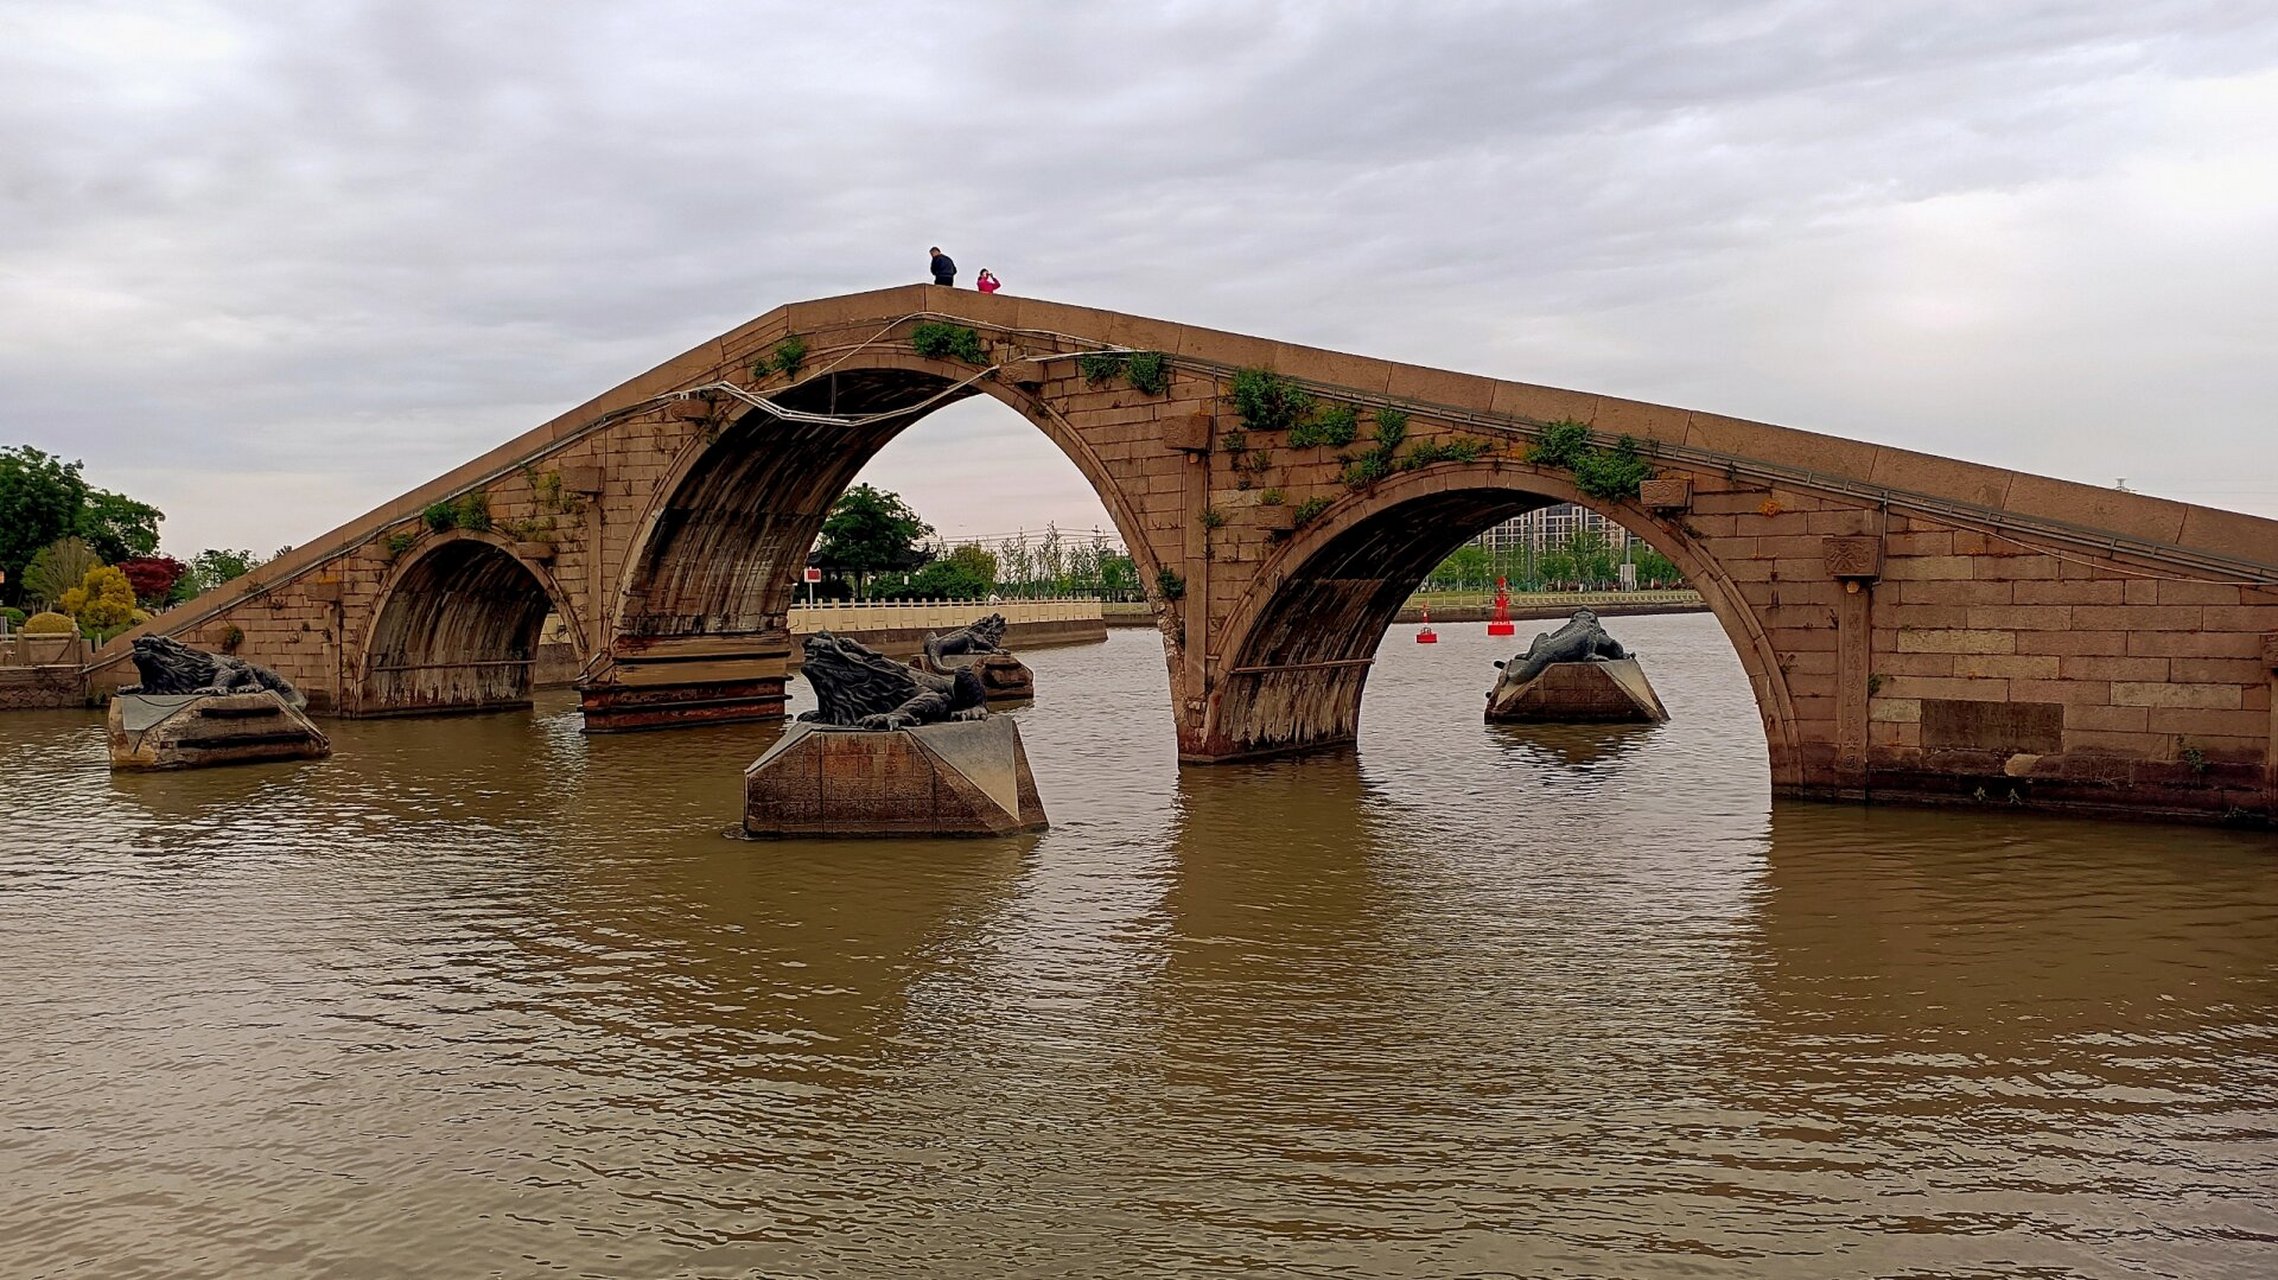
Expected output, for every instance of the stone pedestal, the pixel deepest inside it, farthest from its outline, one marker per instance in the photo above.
(1006, 677)
(194, 730)
(1614, 692)
(968, 778)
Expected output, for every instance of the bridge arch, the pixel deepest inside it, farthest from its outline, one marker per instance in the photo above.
(456, 628)
(718, 549)
(1298, 643)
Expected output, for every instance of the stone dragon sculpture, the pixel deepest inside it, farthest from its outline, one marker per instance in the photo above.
(1580, 640)
(169, 666)
(858, 688)
(985, 635)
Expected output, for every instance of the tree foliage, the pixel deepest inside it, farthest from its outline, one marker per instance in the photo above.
(103, 603)
(40, 499)
(216, 565)
(153, 577)
(966, 573)
(869, 531)
(117, 526)
(58, 567)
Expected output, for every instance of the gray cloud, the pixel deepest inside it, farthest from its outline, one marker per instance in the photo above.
(325, 252)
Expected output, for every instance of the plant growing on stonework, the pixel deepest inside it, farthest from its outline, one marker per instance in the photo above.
(1461, 449)
(442, 517)
(2193, 759)
(1271, 498)
(1267, 401)
(1563, 444)
(1333, 425)
(539, 530)
(937, 341)
(790, 356)
(1609, 473)
(231, 637)
(1169, 585)
(1098, 366)
(1365, 470)
(399, 543)
(1213, 518)
(1391, 427)
(1613, 474)
(1149, 371)
(474, 512)
(1307, 511)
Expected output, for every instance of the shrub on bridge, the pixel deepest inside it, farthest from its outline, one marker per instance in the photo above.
(937, 341)
(1149, 371)
(1333, 425)
(1267, 401)
(474, 512)
(1609, 473)
(1098, 366)
(1307, 511)
(442, 517)
(790, 356)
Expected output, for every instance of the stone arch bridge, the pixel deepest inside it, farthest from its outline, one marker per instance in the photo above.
(1913, 626)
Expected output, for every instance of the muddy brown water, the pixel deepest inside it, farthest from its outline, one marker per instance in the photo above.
(485, 997)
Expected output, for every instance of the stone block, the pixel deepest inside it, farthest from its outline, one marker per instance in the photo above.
(1667, 494)
(2212, 697)
(196, 730)
(1954, 723)
(959, 779)
(1955, 640)
(1613, 692)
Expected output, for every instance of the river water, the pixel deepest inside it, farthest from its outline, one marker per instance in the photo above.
(485, 997)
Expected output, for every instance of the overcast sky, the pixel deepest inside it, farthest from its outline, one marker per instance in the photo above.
(268, 265)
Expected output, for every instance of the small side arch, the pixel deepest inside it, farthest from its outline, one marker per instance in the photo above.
(1292, 659)
(456, 628)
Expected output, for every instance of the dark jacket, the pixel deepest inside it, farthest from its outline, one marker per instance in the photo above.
(944, 269)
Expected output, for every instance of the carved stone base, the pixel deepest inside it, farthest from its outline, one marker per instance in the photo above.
(1613, 692)
(194, 730)
(958, 779)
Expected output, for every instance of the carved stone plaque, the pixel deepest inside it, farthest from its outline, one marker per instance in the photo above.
(1666, 495)
(1852, 556)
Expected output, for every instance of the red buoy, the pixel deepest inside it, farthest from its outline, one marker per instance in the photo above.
(1427, 635)
(1500, 625)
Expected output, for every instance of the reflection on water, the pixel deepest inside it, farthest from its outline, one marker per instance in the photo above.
(484, 996)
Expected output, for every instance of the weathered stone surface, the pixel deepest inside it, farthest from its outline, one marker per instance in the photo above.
(677, 541)
(1614, 692)
(1004, 678)
(967, 778)
(193, 730)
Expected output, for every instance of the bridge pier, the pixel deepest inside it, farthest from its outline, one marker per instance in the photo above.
(672, 682)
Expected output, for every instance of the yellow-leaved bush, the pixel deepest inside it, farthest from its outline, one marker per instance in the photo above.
(49, 624)
(103, 602)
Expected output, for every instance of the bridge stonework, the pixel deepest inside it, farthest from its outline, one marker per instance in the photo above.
(1912, 627)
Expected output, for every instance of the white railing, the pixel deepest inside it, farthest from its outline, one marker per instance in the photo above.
(933, 615)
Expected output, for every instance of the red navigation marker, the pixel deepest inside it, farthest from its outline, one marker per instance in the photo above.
(1500, 625)
(1427, 635)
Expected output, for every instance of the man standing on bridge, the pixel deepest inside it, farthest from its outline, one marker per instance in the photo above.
(944, 269)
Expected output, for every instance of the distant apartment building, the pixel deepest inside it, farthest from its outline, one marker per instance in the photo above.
(1550, 527)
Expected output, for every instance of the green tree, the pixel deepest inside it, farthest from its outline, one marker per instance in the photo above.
(57, 568)
(40, 499)
(1655, 569)
(967, 573)
(1466, 566)
(214, 566)
(118, 527)
(869, 531)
